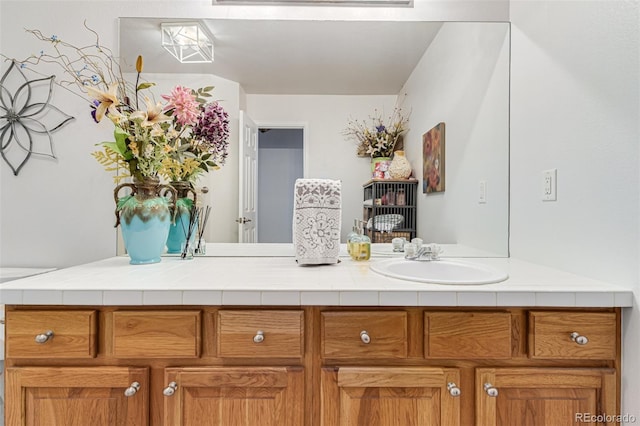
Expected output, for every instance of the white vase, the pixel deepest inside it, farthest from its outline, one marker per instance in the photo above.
(400, 167)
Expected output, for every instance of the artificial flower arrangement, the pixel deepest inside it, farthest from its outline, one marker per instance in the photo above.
(179, 138)
(378, 137)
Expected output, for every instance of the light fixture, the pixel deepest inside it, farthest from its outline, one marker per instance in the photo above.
(188, 42)
(388, 3)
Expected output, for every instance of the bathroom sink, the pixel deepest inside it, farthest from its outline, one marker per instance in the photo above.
(449, 271)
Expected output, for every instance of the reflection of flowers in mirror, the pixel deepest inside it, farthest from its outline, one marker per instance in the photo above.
(378, 137)
(180, 138)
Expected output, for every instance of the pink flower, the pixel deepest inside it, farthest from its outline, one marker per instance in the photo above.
(184, 105)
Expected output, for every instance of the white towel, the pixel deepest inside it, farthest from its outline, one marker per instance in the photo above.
(317, 212)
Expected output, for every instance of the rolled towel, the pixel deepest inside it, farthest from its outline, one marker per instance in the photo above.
(317, 212)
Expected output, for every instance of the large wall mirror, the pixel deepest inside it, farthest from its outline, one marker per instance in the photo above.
(313, 76)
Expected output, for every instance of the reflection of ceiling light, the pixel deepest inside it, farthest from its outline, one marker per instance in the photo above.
(321, 2)
(187, 41)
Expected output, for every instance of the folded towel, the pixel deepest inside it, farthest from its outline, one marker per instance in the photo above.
(316, 221)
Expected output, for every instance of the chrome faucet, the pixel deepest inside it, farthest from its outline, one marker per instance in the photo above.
(429, 252)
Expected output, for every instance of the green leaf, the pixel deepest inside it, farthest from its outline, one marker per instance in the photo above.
(143, 86)
(208, 88)
(121, 143)
(112, 146)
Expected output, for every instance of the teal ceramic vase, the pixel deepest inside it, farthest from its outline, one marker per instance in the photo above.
(145, 216)
(179, 229)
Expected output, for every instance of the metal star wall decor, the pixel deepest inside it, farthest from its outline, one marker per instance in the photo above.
(26, 126)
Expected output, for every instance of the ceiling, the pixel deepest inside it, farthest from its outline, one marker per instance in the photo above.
(292, 57)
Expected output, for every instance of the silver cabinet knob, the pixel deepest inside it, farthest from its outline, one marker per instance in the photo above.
(490, 390)
(132, 389)
(581, 340)
(454, 390)
(170, 389)
(44, 337)
(259, 337)
(364, 336)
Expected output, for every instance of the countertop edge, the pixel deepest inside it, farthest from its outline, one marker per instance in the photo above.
(546, 299)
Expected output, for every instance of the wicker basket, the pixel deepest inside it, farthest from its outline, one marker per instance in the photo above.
(386, 237)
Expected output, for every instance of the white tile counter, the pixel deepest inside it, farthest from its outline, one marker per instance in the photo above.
(236, 278)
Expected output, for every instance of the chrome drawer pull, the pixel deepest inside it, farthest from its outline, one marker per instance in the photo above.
(45, 337)
(454, 390)
(364, 336)
(490, 390)
(581, 340)
(259, 337)
(170, 389)
(132, 390)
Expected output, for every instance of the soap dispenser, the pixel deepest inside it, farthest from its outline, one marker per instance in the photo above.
(361, 244)
(352, 236)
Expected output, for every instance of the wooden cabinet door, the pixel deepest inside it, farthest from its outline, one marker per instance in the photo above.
(544, 396)
(76, 396)
(390, 396)
(234, 396)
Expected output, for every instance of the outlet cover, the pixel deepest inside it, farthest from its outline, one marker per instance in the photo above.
(549, 184)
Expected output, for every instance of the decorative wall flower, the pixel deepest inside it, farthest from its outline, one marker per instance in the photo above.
(379, 137)
(159, 139)
(26, 123)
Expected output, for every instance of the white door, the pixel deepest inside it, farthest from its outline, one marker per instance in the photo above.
(247, 227)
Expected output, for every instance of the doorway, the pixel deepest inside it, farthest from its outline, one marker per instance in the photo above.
(280, 163)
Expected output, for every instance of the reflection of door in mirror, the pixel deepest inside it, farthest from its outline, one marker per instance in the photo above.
(271, 159)
(248, 180)
(280, 163)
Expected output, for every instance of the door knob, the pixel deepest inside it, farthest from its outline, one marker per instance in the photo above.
(44, 337)
(581, 340)
(454, 390)
(259, 337)
(170, 389)
(132, 389)
(490, 390)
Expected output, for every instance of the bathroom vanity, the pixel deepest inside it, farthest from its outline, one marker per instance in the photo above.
(260, 340)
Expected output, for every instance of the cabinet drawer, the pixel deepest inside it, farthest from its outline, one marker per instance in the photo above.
(62, 334)
(467, 335)
(550, 335)
(364, 334)
(156, 334)
(260, 334)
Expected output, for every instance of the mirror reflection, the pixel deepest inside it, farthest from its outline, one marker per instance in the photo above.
(298, 83)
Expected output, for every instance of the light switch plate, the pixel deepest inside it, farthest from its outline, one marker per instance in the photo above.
(482, 192)
(549, 183)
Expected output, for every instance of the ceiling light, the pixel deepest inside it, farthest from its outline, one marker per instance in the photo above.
(188, 42)
(321, 2)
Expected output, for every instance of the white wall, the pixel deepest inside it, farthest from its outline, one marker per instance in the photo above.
(463, 81)
(328, 154)
(39, 225)
(575, 107)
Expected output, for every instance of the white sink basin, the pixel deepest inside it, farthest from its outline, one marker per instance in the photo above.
(446, 271)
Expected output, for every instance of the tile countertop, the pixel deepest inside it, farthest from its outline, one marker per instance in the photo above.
(230, 278)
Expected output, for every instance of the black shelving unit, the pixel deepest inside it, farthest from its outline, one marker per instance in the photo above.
(389, 209)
